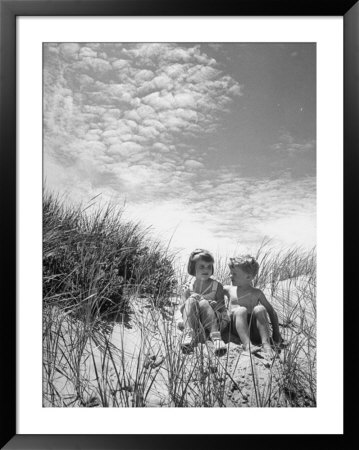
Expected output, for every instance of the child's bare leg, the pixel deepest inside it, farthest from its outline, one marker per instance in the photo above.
(189, 314)
(240, 323)
(209, 321)
(208, 317)
(260, 316)
(191, 322)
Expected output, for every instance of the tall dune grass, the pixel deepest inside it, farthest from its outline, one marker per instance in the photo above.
(102, 275)
(91, 261)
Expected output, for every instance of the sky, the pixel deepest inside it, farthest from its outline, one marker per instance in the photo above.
(211, 145)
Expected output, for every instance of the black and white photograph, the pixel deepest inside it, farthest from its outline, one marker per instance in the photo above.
(179, 217)
(174, 178)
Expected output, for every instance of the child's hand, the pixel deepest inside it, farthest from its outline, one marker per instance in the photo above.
(213, 303)
(279, 341)
(225, 317)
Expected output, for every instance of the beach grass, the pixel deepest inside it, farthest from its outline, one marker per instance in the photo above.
(110, 337)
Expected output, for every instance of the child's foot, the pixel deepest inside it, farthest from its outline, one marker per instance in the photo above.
(268, 351)
(280, 345)
(187, 340)
(208, 350)
(220, 347)
(253, 349)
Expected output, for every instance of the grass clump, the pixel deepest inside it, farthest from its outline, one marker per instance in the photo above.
(92, 261)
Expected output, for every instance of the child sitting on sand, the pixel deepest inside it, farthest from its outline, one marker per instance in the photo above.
(203, 304)
(249, 307)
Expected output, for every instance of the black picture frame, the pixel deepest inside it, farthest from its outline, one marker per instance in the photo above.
(9, 10)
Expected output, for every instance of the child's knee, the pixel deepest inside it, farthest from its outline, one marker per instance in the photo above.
(259, 311)
(204, 304)
(190, 307)
(191, 301)
(240, 312)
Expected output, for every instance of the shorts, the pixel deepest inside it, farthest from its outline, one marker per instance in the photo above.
(230, 332)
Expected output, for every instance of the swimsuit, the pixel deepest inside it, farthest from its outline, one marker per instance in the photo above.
(209, 294)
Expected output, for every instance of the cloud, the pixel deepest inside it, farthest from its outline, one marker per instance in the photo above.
(87, 52)
(293, 155)
(192, 164)
(69, 51)
(246, 207)
(287, 144)
(294, 229)
(124, 149)
(153, 91)
(234, 215)
(137, 121)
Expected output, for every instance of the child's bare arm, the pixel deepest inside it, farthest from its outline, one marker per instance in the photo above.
(273, 317)
(220, 302)
(185, 294)
(227, 295)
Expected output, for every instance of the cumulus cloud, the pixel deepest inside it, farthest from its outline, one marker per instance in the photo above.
(137, 121)
(192, 164)
(147, 94)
